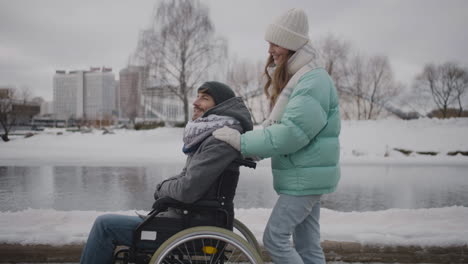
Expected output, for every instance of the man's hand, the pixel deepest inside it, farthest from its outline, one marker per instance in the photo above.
(228, 135)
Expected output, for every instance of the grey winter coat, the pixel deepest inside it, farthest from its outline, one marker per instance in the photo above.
(212, 161)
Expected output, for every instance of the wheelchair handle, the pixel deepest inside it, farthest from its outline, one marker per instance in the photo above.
(246, 162)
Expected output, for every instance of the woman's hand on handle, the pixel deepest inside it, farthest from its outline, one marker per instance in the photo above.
(228, 135)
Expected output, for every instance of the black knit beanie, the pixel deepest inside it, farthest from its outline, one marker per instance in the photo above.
(219, 91)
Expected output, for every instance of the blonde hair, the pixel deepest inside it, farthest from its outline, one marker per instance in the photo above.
(279, 79)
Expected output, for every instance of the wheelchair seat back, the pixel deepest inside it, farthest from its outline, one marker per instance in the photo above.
(217, 209)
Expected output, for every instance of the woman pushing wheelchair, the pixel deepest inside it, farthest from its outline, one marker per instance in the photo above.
(301, 137)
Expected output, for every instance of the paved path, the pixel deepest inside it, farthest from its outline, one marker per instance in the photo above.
(334, 251)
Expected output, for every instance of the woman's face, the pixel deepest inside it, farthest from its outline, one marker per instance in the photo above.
(279, 54)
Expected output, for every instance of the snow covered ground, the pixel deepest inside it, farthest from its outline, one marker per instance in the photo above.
(423, 227)
(363, 142)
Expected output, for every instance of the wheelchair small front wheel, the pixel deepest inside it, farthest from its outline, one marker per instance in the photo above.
(206, 244)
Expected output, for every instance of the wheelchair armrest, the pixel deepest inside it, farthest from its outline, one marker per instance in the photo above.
(206, 204)
(246, 162)
(165, 202)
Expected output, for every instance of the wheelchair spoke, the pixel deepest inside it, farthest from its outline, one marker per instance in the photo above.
(180, 250)
(188, 254)
(203, 246)
(219, 254)
(193, 245)
(232, 254)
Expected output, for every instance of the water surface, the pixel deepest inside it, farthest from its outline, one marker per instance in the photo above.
(362, 187)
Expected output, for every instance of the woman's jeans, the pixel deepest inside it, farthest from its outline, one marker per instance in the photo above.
(297, 216)
(108, 231)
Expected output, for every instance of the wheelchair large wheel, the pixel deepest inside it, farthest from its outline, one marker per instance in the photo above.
(249, 236)
(205, 244)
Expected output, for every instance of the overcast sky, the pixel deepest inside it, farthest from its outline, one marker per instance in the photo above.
(39, 37)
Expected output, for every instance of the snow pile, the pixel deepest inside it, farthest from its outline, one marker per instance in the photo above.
(424, 227)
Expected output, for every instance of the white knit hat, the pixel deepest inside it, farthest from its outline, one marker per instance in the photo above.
(290, 31)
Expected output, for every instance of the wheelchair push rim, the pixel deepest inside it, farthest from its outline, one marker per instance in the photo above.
(205, 244)
(248, 235)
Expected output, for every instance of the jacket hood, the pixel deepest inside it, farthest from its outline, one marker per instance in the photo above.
(234, 108)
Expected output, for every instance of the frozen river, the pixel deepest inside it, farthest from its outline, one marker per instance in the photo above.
(362, 187)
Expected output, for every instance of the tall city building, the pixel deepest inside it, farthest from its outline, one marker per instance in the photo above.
(47, 108)
(99, 95)
(131, 85)
(68, 94)
(140, 99)
(84, 94)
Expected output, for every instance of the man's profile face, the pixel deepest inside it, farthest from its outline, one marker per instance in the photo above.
(202, 104)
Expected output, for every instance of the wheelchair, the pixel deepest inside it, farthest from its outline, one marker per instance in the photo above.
(202, 232)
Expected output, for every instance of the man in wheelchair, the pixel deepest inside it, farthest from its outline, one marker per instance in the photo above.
(210, 174)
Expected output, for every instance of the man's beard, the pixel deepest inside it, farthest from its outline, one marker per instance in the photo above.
(197, 114)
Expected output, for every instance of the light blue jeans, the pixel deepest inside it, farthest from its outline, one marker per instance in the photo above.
(297, 216)
(108, 231)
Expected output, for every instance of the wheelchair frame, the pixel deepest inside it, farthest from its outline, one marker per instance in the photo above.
(194, 243)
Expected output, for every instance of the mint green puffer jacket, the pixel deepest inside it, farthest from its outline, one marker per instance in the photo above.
(304, 147)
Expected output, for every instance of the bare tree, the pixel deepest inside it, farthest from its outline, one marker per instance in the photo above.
(180, 47)
(364, 84)
(334, 54)
(445, 82)
(457, 77)
(7, 115)
(367, 86)
(353, 86)
(244, 77)
(418, 101)
(347, 71)
(14, 104)
(262, 102)
(381, 87)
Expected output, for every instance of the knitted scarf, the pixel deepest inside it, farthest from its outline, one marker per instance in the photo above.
(303, 60)
(199, 129)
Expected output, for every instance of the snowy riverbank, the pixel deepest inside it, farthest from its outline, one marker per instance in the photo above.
(363, 142)
(395, 227)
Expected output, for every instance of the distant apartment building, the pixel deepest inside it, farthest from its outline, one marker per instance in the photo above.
(68, 94)
(47, 108)
(84, 94)
(131, 86)
(99, 94)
